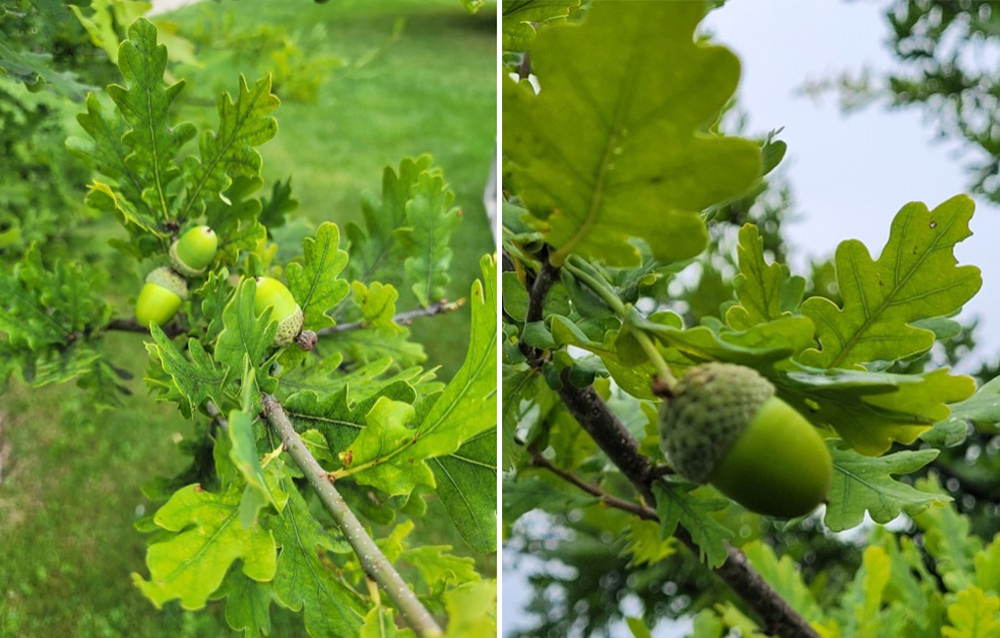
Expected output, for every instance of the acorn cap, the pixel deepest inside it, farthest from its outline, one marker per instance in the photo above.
(178, 264)
(711, 406)
(166, 278)
(289, 328)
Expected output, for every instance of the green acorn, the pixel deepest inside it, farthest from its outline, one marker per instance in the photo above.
(271, 293)
(724, 426)
(160, 297)
(194, 251)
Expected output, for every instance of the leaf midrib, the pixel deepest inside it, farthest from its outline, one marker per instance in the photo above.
(240, 123)
(886, 302)
(624, 94)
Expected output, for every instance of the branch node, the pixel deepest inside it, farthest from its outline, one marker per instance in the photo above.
(306, 340)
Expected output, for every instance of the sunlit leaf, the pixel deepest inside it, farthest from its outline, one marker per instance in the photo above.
(209, 537)
(618, 152)
(915, 277)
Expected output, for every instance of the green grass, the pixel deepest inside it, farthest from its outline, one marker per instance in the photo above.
(71, 490)
(431, 90)
(67, 504)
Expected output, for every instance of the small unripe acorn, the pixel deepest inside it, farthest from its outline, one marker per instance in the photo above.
(194, 251)
(160, 297)
(724, 426)
(271, 293)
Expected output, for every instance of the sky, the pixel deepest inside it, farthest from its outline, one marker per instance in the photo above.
(849, 174)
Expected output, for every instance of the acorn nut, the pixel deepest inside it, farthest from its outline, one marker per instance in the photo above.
(194, 251)
(160, 297)
(271, 293)
(724, 426)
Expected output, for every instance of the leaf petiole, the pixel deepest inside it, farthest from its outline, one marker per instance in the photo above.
(602, 288)
(273, 454)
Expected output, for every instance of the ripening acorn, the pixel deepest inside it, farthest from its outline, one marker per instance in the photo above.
(194, 251)
(160, 297)
(271, 293)
(724, 426)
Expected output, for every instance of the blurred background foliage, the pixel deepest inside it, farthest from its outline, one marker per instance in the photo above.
(948, 69)
(362, 84)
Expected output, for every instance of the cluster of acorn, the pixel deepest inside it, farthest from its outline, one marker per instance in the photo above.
(166, 288)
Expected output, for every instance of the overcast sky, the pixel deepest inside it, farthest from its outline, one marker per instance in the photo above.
(849, 174)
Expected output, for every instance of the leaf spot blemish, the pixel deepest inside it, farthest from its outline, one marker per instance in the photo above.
(933, 224)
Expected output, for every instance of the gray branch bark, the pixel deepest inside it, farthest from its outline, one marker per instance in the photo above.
(779, 618)
(404, 318)
(614, 439)
(374, 562)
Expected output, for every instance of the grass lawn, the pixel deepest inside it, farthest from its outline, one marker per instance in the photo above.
(71, 487)
(431, 89)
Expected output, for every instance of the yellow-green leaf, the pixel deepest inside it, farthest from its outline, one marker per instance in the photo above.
(621, 151)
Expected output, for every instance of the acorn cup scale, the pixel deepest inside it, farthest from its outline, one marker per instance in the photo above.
(724, 426)
(160, 298)
(271, 293)
(194, 251)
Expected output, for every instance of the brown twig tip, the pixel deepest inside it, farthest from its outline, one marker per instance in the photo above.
(307, 340)
(131, 325)
(661, 388)
(608, 500)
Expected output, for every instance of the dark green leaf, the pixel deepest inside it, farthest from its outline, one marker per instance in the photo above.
(467, 486)
(863, 483)
(675, 506)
